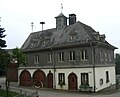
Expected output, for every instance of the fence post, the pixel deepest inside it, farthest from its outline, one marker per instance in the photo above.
(20, 91)
(37, 94)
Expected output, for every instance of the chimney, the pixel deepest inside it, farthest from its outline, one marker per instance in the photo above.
(72, 19)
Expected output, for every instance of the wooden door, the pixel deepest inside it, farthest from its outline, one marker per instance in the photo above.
(25, 78)
(39, 79)
(72, 82)
(50, 80)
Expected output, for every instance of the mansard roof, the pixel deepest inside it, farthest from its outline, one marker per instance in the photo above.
(82, 34)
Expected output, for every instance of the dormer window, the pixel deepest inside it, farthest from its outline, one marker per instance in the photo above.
(45, 40)
(96, 35)
(73, 36)
(102, 37)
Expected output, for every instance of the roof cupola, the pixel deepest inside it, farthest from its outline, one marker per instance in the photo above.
(61, 21)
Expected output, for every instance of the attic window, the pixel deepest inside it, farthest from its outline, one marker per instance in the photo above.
(45, 40)
(96, 35)
(72, 36)
(102, 37)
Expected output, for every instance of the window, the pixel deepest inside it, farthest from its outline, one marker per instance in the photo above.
(101, 55)
(107, 77)
(49, 58)
(105, 56)
(60, 57)
(84, 55)
(44, 42)
(73, 36)
(84, 79)
(101, 81)
(71, 55)
(61, 78)
(36, 59)
(109, 56)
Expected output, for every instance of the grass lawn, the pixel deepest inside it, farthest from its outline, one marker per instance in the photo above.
(10, 94)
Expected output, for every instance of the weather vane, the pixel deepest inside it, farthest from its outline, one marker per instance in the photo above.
(32, 26)
(0, 20)
(61, 7)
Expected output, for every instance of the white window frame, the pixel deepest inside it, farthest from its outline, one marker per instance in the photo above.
(72, 56)
(36, 59)
(49, 58)
(106, 57)
(101, 55)
(84, 54)
(85, 78)
(109, 57)
(61, 57)
(61, 78)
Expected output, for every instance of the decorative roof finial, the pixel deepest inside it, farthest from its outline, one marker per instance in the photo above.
(32, 24)
(0, 20)
(61, 7)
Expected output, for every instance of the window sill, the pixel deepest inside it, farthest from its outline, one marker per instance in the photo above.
(60, 61)
(71, 60)
(84, 60)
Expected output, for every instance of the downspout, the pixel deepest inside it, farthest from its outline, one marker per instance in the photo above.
(53, 63)
(93, 61)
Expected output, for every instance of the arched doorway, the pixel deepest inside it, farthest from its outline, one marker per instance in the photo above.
(39, 79)
(72, 81)
(25, 78)
(50, 80)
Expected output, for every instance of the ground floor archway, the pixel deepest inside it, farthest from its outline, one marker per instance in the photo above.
(25, 78)
(39, 79)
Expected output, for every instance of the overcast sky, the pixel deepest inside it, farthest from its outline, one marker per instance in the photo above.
(17, 15)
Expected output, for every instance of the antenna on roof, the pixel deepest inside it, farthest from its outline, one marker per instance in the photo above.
(32, 24)
(61, 7)
(42, 24)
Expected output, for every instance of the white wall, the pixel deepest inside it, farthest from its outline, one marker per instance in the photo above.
(78, 72)
(101, 73)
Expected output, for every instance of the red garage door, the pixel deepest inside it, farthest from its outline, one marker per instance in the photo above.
(39, 79)
(25, 78)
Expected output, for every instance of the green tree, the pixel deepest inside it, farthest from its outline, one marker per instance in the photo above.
(117, 62)
(4, 56)
(19, 56)
(3, 53)
(4, 61)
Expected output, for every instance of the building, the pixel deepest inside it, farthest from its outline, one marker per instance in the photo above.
(71, 57)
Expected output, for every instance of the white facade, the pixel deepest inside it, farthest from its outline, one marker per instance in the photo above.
(100, 76)
(100, 73)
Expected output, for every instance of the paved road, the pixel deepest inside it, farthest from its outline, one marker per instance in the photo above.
(58, 93)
